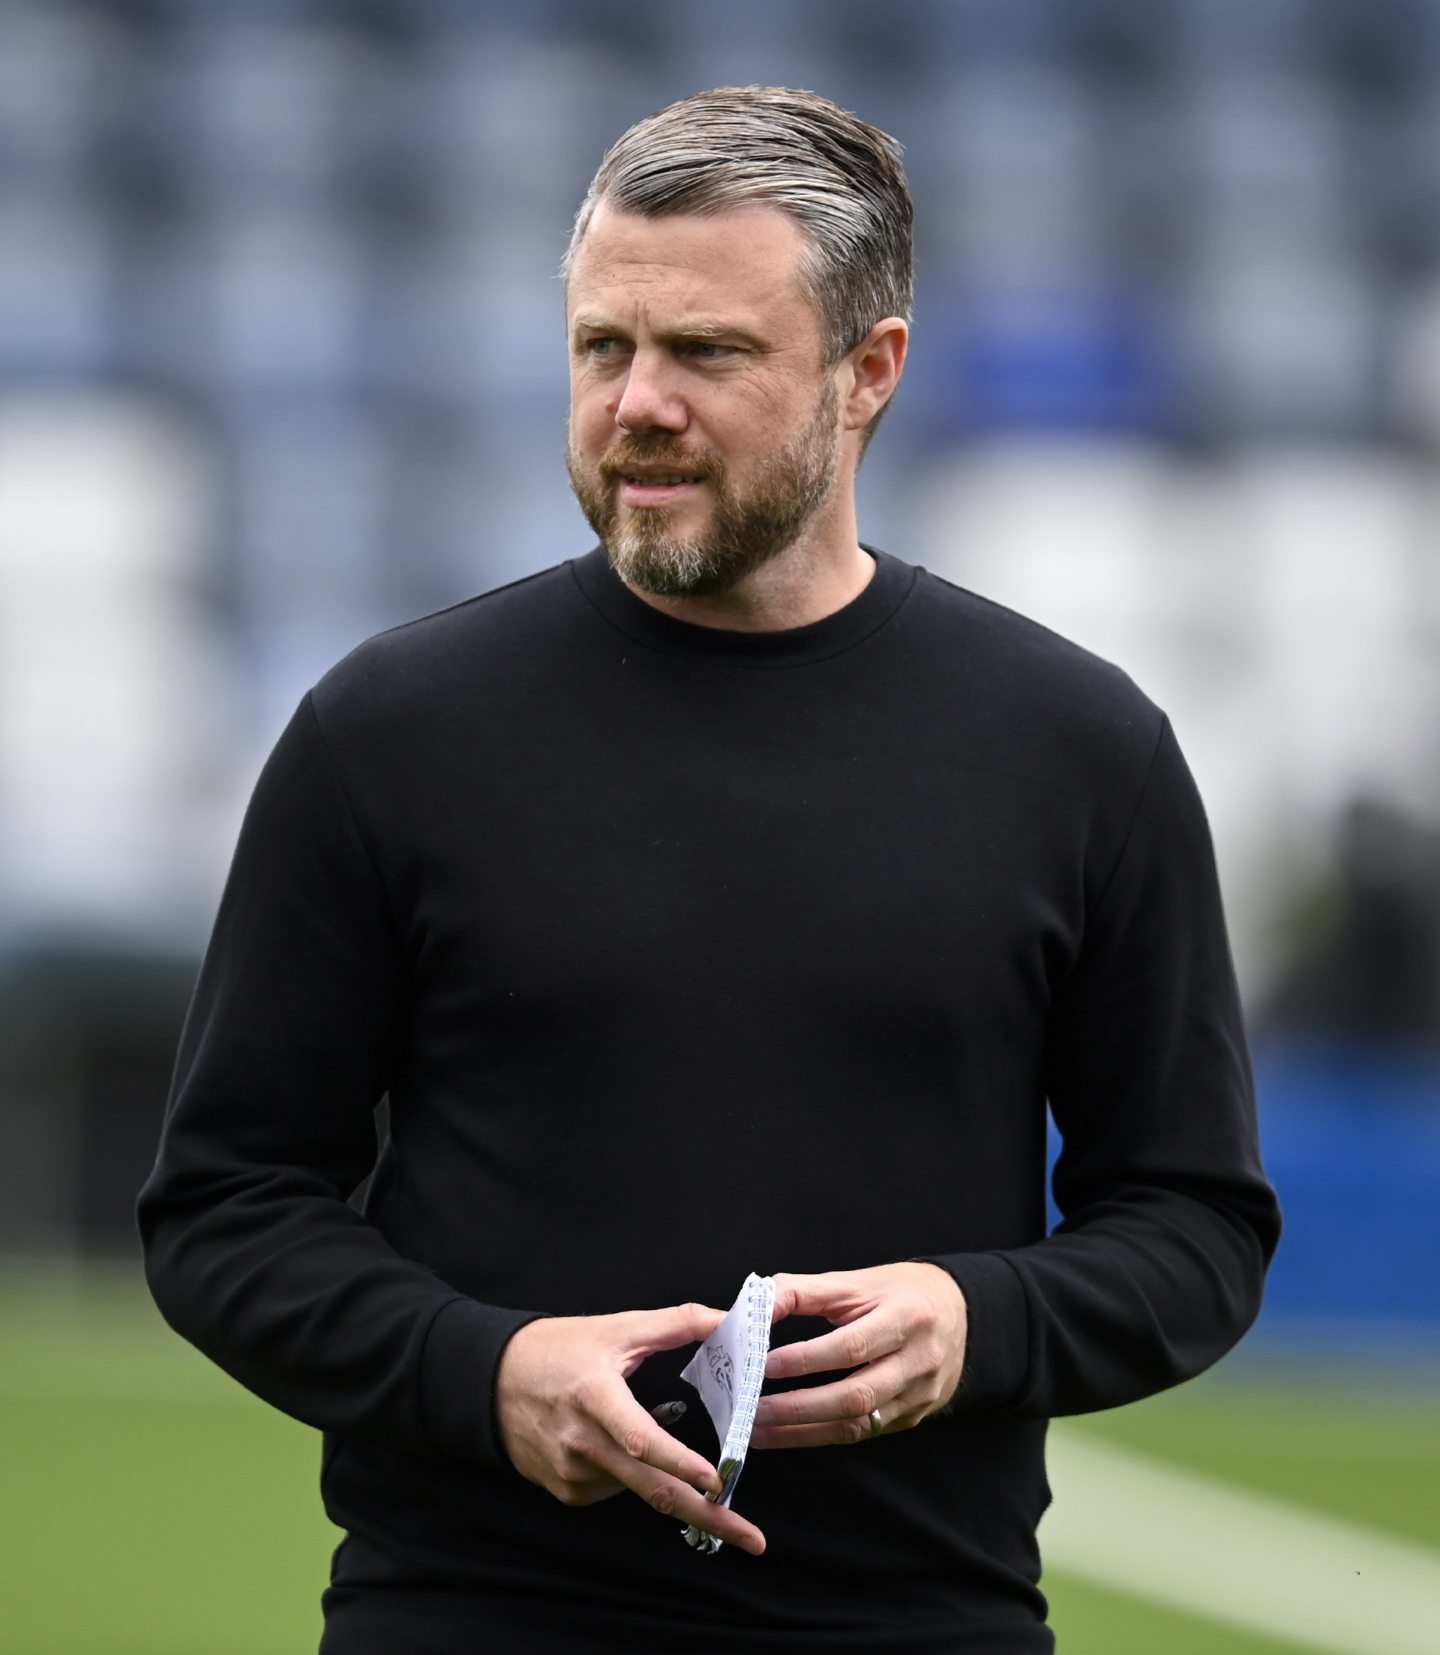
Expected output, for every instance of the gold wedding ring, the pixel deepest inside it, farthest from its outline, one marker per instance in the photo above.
(877, 1425)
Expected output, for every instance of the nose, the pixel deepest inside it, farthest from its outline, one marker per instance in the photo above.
(647, 399)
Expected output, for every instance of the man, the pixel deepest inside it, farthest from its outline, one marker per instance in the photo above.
(733, 897)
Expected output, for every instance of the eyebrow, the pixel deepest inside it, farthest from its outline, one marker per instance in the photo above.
(692, 330)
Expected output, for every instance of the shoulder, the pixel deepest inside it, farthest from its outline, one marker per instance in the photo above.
(436, 660)
(1049, 695)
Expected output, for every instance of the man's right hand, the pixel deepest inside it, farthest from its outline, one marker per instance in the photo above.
(569, 1421)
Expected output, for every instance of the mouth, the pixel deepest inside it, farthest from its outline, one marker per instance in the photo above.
(656, 489)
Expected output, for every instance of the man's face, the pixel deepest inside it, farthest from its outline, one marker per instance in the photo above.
(704, 427)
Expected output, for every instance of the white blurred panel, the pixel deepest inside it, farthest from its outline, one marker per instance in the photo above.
(94, 492)
(112, 684)
(1336, 538)
(1063, 531)
(1126, 552)
(1283, 607)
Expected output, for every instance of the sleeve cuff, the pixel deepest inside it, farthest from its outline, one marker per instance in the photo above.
(997, 1344)
(457, 1379)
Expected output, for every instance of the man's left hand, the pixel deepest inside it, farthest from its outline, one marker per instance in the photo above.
(902, 1326)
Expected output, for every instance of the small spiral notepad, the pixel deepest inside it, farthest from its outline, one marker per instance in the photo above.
(728, 1371)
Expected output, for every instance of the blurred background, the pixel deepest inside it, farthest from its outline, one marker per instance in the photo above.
(282, 364)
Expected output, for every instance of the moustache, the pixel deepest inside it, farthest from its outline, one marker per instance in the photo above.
(625, 456)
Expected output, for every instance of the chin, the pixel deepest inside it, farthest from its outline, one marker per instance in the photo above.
(673, 571)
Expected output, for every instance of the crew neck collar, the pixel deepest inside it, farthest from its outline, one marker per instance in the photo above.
(885, 591)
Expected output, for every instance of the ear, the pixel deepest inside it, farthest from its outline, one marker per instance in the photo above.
(872, 371)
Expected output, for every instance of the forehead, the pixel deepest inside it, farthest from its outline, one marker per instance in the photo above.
(743, 264)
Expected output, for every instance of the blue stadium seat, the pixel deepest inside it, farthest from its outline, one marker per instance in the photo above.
(1285, 339)
(257, 106)
(57, 294)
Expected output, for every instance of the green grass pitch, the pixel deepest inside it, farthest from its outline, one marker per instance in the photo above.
(152, 1508)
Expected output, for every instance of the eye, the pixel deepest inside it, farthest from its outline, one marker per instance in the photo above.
(601, 348)
(706, 350)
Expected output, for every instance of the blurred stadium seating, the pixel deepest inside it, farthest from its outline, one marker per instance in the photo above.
(280, 365)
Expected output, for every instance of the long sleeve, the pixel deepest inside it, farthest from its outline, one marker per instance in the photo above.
(251, 1249)
(609, 905)
(1167, 1223)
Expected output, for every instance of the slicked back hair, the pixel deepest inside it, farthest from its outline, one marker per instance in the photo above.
(769, 146)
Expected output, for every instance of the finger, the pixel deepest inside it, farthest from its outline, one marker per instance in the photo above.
(832, 1293)
(834, 1433)
(850, 1346)
(643, 1332)
(880, 1386)
(636, 1435)
(674, 1498)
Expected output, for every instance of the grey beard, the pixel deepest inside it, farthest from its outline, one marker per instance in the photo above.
(669, 568)
(745, 533)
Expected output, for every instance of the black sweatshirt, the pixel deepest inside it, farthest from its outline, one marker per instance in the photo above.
(683, 952)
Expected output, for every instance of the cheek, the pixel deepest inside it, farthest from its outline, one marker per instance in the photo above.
(591, 427)
(766, 411)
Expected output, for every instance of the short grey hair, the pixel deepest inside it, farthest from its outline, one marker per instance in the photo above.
(839, 178)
